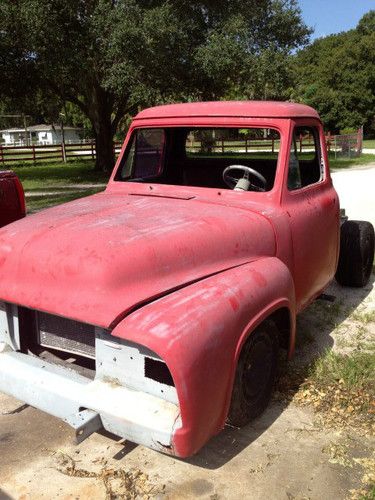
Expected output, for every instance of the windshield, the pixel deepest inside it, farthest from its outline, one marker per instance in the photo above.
(199, 156)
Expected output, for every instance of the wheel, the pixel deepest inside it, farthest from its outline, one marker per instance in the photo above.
(231, 181)
(356, 253)
(255, 375)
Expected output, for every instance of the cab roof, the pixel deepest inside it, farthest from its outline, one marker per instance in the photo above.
(243, 109)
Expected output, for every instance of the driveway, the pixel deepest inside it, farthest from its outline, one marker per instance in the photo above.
(356, 189)
(286, 454)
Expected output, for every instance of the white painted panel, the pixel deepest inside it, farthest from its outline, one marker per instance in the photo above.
(9, 329)
(124, 363)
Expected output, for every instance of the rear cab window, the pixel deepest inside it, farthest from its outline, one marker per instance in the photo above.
(144, 155)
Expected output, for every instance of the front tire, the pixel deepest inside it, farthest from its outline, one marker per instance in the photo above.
(356, 253)
(255, 375)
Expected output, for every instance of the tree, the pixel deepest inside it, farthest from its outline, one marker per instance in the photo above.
(336, 75)
(111, 57)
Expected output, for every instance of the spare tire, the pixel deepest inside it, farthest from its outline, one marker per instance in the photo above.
(356, 253)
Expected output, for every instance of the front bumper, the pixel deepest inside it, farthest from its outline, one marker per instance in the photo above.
(126, 397)
(134, 415)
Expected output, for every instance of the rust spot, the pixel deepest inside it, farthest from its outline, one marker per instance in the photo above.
(113, 382)
(168, 449)
(259, 278)
(234, 303)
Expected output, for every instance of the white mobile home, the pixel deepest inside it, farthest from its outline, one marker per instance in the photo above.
(40, 134)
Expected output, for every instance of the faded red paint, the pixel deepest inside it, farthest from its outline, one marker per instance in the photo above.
(12, 198)
(188, 272)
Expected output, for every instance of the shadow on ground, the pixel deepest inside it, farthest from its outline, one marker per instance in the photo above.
(4, 496)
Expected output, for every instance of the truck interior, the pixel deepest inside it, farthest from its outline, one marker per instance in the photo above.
(198, 157)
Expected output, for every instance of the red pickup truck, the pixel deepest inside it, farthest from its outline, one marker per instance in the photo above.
(157, 308)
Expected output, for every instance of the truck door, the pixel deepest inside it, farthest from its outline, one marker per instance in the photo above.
(312, 205)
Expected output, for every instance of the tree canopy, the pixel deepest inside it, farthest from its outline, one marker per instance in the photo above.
(336, 75)
(111, 57)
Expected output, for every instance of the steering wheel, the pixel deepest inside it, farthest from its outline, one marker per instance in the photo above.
(232, 181)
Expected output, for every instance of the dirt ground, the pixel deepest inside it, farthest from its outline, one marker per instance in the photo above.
(288, 453)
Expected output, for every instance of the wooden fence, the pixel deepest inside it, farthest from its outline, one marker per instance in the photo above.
(35, 153)
(232, 145)
(344, 145)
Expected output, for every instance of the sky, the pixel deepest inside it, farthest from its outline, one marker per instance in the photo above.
(333, 16)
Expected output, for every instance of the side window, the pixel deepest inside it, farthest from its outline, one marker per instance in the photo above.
(144, 156)
(128, 164)
(305, 161)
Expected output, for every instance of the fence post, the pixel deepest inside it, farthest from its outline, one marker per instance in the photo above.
(63, 151)
(273, 145)
(92, 150)
(359, 140)
(300, 143)
(1, 154)
(33, 150)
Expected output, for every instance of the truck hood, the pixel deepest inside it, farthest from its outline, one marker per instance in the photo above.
(97, 258)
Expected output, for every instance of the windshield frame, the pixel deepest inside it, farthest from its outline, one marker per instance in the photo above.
(213, 124)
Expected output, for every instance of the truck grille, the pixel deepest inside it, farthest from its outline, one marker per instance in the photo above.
(66, 335)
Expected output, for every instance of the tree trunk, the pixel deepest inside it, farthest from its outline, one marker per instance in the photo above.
(105, 158)
(100, 114)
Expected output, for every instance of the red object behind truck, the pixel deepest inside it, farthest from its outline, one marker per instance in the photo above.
(12, 198)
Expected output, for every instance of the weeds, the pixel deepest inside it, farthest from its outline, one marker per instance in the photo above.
(364, 317)
(342, 389)
(356, 370)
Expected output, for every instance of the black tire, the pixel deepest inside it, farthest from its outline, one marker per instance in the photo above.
(356, 253)
(255, 375)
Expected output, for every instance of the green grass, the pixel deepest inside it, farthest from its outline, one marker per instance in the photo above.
(370, 495)
(369, 143)
(356, 370)
(59, 174)
(47, 200)
(61, 179)
(339, 163)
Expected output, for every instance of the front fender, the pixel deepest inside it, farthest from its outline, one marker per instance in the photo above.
(199, 330)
